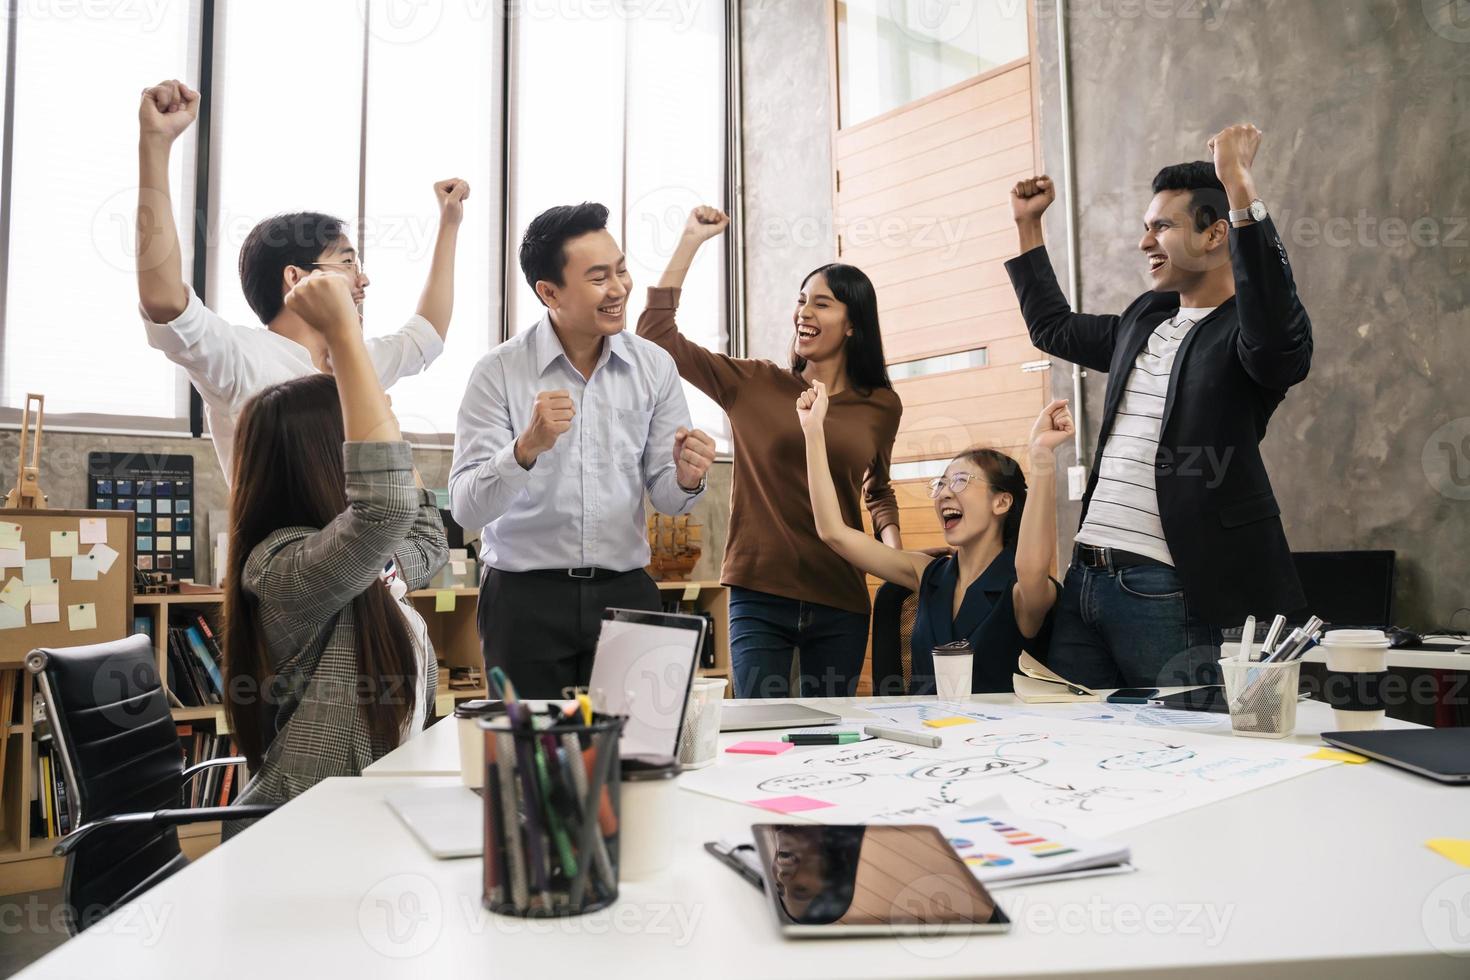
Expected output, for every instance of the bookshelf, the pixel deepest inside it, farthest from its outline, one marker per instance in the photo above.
(26, 864)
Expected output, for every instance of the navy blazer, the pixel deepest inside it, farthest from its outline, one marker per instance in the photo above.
(987, 619)
(1219, 512)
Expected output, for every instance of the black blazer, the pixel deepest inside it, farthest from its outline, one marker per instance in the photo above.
(1220, 517)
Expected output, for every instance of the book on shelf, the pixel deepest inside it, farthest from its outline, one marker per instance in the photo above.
(680, 607)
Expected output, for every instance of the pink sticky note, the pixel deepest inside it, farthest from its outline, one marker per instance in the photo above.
(759, 748)
(790, 804)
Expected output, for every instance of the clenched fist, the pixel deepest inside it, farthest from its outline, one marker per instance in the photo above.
(1031, 197)
(705, 223)
(451, 195)
(1234, 150)
(693, 453)
(324, 301)
(1053, 427)
(550, 417)
(811, 407)
(168, 109)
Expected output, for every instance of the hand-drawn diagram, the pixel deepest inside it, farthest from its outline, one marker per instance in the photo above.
(1092, 779)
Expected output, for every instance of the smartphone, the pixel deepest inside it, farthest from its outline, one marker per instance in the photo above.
(1196, 699)
(1133, 695)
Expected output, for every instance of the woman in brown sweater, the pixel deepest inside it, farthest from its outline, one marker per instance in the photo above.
(789, 591)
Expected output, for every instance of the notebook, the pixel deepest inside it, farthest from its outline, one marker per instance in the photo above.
(1039, 684)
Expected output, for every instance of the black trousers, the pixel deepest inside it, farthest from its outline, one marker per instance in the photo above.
(542, 630)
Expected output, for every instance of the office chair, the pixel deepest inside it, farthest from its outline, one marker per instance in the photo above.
(894, 608)
(125, 776)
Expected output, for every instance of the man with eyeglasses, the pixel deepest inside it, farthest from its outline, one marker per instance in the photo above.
(230, 364)
(1181, 533)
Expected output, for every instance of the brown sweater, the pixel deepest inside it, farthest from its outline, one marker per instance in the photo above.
(773, 545)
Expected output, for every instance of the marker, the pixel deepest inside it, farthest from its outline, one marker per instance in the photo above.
(1272, 635)
(1247, 637)
(902, 735)
(828, 738)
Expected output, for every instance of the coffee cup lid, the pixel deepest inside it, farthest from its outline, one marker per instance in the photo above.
(1364, 638)
(479, 709)
(953, 649)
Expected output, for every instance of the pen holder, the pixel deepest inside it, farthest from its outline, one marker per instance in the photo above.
(699, 739)
(551, 817)
(1261, 697)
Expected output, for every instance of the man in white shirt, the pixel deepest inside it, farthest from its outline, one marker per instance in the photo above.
(562, 431)
(230, 364)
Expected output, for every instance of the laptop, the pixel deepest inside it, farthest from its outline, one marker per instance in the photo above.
(736, 717)
(644, 668)
(1347, 589)
(1442, 754)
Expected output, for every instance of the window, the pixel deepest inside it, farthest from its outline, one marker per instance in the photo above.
(893, 52)
(71, 327)
(639, 126)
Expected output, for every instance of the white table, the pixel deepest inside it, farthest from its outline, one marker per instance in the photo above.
(1322, 875)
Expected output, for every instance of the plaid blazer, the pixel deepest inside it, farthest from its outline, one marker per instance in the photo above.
(303, 581)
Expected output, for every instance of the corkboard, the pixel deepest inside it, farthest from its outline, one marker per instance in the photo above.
(111, 595)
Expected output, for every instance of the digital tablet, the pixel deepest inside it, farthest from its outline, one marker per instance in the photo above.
(643, 669)
(840, 880)
(1442, 754)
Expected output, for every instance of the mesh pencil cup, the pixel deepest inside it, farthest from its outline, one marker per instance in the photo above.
(1261, 697)
(551, 817)
(699, 737)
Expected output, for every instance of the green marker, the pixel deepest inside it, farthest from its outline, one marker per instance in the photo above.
(822, 738)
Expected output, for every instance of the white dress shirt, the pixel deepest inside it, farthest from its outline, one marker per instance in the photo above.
(1124, 510)
(581, 503)
(231, 364)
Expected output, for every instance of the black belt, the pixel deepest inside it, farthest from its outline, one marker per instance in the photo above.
(588, 573)
(1089, 556)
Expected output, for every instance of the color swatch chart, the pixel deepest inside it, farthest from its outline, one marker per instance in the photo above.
(159, 489)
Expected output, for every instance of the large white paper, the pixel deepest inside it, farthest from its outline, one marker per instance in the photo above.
(1087, 778)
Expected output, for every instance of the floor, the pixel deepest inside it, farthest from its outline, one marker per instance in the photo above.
(30, 928)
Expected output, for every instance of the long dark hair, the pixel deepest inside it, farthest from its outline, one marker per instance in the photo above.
(288, 473)
(866, 367)
(1004, 475)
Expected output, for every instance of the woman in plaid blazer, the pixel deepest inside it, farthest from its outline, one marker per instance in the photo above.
(325, 669)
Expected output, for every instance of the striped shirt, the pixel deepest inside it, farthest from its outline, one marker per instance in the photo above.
(1124, 510)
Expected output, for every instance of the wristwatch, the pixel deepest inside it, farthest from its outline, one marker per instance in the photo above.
(1256, 212)
(703, 480)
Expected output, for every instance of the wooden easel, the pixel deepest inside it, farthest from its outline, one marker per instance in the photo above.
(27, 493)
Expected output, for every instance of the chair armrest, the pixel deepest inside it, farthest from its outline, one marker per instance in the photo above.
(246, 811)
(192, 771)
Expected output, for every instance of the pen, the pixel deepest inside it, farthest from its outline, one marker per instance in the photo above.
(901, 735)
(1272, 635)
(833, 738)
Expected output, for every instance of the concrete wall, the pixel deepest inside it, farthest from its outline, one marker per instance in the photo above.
(788, 163)
(1365, 105)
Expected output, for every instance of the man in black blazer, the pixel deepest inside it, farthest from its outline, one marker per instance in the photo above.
(1181, 533)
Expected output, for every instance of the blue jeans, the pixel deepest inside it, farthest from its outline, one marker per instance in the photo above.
(1130, 627)
(766, 630)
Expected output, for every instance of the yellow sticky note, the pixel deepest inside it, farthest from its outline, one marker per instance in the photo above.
(84, 568)
(15, 595)
(1336, 755)
(64, 544)
(691, 592)
(444, 601)
(1457, 851)
(46, 594)
(81, 617)
(948, 722)
(444, 705)
(221, 723)
(9, 536)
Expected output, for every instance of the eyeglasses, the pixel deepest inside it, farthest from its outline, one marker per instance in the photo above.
(956, 484)
(350, 266)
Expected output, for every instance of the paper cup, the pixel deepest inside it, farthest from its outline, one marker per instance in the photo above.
(649, 803)
(472, 740)
(699, 738)
(954, 664)
(1357, 663)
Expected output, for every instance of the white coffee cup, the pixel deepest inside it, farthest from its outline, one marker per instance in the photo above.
(467, 717)
(1351, 652)
(648, 799)
(954, 664)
